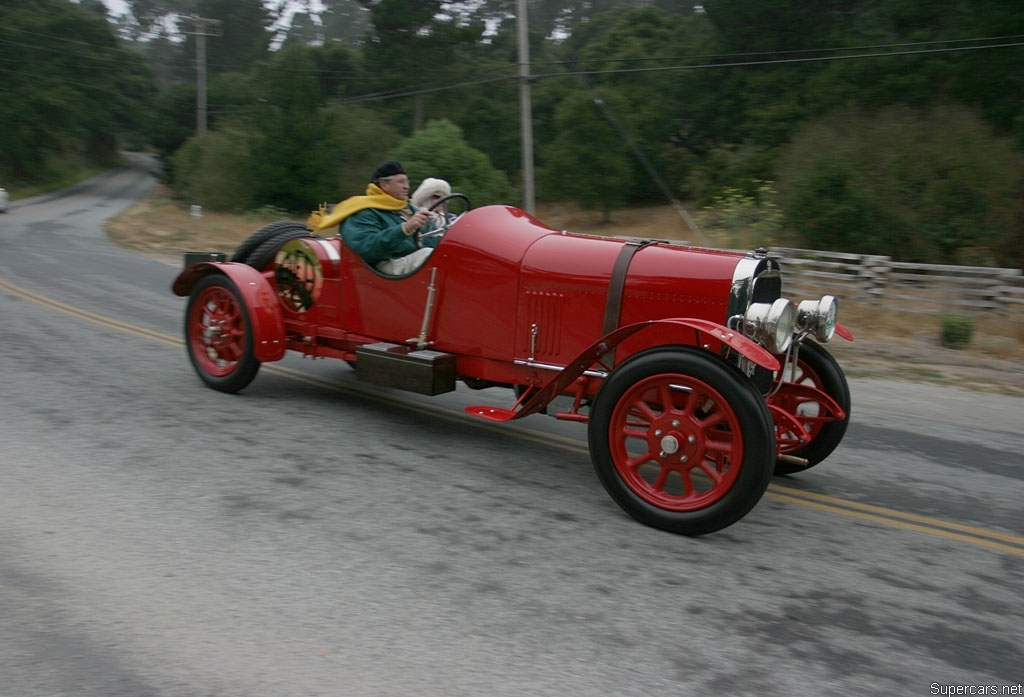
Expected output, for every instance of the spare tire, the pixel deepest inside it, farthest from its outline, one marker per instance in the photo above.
(263, 256)
(257, 238)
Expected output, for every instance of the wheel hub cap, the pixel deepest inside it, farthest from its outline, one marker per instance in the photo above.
(669, 445)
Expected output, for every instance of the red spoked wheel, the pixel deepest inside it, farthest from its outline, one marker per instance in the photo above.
(218, 335)
(811, 408)
(671, 440)
(681, 442)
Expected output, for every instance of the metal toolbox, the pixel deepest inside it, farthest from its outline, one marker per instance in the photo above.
(405, 368)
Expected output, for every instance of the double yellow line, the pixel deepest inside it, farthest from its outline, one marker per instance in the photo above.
(997, 541)
(24, 294)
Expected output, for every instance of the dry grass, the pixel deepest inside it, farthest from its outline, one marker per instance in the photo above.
(906, 345)
(162, 227)
(158, 225)
(888, 344)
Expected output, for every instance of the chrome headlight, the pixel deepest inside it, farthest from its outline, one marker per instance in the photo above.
(818, 317)
(771, 325)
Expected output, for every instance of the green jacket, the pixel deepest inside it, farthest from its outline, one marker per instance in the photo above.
(376, 235)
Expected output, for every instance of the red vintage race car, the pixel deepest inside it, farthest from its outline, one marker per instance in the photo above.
(696, 379)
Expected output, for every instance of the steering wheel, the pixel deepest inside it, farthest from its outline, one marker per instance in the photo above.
(447, 221)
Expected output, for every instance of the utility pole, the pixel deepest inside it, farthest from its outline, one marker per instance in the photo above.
(525, 109)
(201, 28)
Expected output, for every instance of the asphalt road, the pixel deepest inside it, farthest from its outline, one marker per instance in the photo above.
(312, 536)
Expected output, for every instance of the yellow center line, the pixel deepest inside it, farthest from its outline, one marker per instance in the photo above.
(24, 294)
(932, 527)
(822, 499)
(877, 514)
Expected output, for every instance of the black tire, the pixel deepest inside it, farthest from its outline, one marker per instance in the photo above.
(218, 334)
(263, 256)
(817, 367)
(257, 238)
(664, 434)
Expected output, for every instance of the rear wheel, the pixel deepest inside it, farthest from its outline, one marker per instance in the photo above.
(218, 335)
(257, 238)
(680, 442)
(811, 396)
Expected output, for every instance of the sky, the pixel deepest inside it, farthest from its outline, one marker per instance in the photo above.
(116, 7)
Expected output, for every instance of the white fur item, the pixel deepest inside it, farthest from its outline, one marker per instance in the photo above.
(430, 186)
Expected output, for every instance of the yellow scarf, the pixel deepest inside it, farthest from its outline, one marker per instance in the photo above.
(374, 198)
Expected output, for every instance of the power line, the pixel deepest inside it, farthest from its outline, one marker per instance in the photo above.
(946, 46)
(832, 49)
(54, 38)
(60, 80)
(699, 66)
(87, 56)
(864, 52)
(778, 61)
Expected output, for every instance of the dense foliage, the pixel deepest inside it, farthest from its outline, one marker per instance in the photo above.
(885, 126)
(68, 90)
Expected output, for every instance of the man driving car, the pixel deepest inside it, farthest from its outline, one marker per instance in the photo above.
(382, 226)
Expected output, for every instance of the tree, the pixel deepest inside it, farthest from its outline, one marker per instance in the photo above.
(293, 162)
(243, 35)
(150, 14)
(66, 101)
(588, 162)
(439, 150)
(409, 48)
(665, 113)
(933, 185)
(173, 118)
(214, 169)
(343, 21)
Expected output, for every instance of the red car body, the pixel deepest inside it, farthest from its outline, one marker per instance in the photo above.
(662, 344)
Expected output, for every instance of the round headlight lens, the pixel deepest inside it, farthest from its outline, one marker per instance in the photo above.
(781, 322)
(818, 317)
(771, 325)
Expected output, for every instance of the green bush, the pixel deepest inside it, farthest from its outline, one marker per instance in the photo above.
(439, 150)
(957, 331)
(744, 220)
(214, 170)
(933, 186)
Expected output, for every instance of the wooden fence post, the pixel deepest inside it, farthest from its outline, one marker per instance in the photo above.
(874, 275)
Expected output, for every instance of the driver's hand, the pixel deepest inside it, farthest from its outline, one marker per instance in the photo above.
(418, 220)
(439, 218)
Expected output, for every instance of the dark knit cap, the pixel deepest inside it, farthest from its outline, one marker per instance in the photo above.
(387, 169)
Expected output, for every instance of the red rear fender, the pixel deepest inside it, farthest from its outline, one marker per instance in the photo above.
(264, 309)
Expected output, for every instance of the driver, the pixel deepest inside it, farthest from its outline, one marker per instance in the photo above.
(382, 227)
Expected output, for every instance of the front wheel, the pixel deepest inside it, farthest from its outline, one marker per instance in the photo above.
(680, 442)
(817, 395)
(218, 335)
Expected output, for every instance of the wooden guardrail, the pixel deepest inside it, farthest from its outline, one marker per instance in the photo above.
(930, 288)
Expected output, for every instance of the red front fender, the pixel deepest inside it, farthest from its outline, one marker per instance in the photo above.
(734, 340)
(268, 337)
(598, 350)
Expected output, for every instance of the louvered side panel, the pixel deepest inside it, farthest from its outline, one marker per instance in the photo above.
(543, 334)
